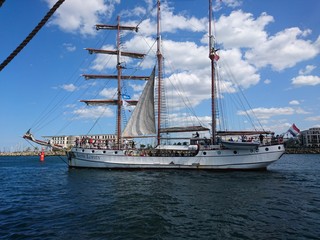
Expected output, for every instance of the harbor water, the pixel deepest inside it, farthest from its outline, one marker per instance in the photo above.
(46, 200)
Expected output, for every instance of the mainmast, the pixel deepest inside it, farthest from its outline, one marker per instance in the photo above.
(159, 57)
(119, 76)
(119, 102)
(212, 56)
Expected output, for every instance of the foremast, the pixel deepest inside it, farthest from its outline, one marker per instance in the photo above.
(213, 57)
(159, 58)
(119, 77)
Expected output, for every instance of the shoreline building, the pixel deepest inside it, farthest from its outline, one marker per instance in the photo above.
(69, 140)
(311, 137)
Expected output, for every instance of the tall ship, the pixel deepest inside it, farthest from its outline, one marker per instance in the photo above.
(219, 151)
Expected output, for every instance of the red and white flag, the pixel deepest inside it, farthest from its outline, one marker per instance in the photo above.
(294, 130)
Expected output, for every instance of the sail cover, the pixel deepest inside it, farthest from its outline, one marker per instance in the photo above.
(142, 121)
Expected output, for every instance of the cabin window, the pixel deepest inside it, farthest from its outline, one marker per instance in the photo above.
(204, 153)
(104, 151)
(116, 152)
(267, 149)
(92, 151)
(235, 152)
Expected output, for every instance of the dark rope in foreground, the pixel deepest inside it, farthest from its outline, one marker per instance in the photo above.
(1, 2)
(31, 35)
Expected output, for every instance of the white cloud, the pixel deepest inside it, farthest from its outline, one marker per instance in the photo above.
(69, 87)
(93, 112)
(314, 118)
(267, 113)
(183, 119)
(102, 61)
(306, 80)
(109, 93)
(69, 47)
(81, 16)
(241, 30)
(70, 106)
(185, 55)
(181, 22)
(137, 11)
(267, 81)
(181, 90)
(283, 50)
(294, 102)
(232, 3)
(301, 111)
(234, 68)
(136, 87)
(229, 3)
(307, 70)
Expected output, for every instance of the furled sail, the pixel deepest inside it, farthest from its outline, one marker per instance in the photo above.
(142, 121)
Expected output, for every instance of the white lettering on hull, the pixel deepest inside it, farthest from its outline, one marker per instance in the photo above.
(87, 156)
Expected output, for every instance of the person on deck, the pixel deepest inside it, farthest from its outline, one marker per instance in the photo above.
(261, 139)
(90, 142)
(77, 142)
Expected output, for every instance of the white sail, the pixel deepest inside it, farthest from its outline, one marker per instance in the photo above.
(142, 121)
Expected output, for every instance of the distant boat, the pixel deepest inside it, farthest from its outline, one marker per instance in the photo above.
(145, 122)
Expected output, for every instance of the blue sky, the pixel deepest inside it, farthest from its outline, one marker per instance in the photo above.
(271, 48)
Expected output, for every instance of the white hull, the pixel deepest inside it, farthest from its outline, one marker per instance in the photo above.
(217, 159)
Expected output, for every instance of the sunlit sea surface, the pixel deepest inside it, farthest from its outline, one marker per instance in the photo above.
(46, 200)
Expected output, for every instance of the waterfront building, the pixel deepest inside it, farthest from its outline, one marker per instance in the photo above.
(69, 140)
(310, 138)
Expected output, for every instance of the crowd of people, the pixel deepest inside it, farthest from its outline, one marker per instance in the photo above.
(261, 138)
(88, 142)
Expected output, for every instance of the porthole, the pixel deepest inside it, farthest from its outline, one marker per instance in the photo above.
(204, 153)
(104, 151)
(267, 149)
(92, 151)
(115, 152)
(279, 147)
(235, 152)
(219, 152)
(82, 150)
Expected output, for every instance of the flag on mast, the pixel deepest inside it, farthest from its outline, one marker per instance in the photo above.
(294, 130)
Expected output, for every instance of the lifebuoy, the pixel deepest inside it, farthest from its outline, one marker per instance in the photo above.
(280, 139)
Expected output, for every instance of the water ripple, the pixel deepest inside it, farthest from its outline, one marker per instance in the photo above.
(48, 201)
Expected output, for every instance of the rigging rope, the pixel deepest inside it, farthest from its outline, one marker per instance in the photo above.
(31, 35)
(1, 2)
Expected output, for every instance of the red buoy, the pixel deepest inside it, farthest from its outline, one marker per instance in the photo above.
(42, 156)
